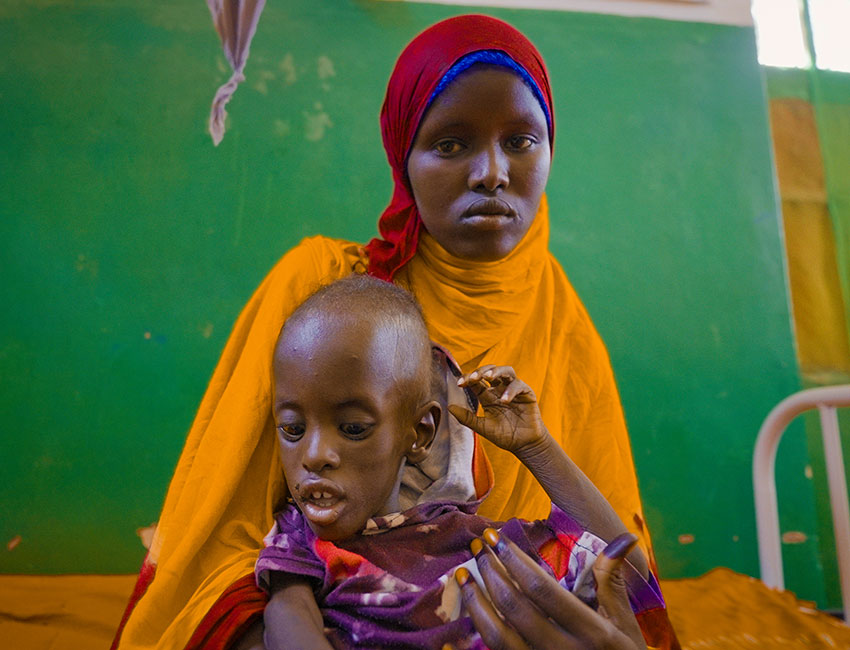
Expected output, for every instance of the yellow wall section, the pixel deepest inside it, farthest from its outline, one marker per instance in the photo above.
(821, 329)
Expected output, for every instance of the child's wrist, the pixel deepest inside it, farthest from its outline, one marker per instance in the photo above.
(535, 449)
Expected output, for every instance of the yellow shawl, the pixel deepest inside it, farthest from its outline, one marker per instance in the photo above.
(520, 311)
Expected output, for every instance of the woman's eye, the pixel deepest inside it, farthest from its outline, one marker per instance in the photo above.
(354, 429)
(520, 142)
(448, 147)
(291, 431)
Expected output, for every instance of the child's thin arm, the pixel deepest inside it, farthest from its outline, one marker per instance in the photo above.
(513, 422)
(292, 617)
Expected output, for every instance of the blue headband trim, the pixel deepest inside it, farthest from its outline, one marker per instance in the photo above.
(493, 57)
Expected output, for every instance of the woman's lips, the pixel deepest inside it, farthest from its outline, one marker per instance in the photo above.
(489, 213)
(489, 206)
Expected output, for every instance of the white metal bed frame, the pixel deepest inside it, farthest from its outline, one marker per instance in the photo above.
(826, 400)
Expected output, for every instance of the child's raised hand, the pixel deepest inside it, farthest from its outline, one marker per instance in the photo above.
(511, 417)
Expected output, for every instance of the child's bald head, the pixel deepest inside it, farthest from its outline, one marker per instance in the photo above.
(390, 323)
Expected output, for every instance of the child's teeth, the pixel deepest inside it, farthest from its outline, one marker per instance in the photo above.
(321, 495)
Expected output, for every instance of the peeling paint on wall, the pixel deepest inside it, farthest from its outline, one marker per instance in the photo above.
(316, 123)
(794, 537)
(326, 67)
(287, 67)
(262, 79)
(282, 128)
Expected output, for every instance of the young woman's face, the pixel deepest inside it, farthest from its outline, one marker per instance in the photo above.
(479, 163)
(342, 419)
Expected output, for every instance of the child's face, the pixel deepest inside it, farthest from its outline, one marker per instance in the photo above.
(342, 420)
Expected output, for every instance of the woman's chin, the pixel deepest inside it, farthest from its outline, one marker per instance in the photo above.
(483, 248)
(482, 237)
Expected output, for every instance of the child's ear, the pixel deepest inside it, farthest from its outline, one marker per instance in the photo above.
(427, 423)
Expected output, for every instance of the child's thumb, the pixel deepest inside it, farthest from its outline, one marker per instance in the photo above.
(466, 417)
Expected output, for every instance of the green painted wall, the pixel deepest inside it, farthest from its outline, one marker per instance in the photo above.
(130, 243)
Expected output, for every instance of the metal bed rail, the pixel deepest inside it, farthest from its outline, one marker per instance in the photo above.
(826, 400)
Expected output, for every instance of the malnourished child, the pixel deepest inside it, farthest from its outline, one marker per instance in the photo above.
(357, 404)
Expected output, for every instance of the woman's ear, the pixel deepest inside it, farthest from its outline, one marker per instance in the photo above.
(425, 428)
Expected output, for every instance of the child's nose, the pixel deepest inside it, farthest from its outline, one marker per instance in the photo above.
(320, 452)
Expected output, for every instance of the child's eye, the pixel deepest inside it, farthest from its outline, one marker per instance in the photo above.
(291, 431)
(354, 429)
(448, 147)
(520, 142)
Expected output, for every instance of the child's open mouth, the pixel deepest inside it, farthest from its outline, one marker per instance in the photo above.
(323, 512)
(321, 503)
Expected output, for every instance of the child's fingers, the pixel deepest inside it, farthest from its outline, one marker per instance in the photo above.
(518, 391)
(478, 385)
(500, 374)
(490, 375)
(475, 376)
(497, 384)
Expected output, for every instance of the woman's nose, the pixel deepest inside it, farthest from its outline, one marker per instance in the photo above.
(319, 451)
(489, 169)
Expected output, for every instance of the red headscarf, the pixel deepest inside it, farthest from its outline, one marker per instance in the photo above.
(417, 73)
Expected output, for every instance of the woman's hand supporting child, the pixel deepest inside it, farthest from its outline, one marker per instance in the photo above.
(525, 607)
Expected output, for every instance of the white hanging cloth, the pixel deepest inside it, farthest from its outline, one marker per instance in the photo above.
(235, 21)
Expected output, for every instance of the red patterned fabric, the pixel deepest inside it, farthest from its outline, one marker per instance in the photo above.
(657, 630)
(417, 73)
(226, 622)
(231, 616)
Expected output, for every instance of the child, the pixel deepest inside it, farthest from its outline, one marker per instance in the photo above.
(355, 404)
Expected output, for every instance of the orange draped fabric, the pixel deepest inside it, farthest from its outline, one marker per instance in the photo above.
(520, 311)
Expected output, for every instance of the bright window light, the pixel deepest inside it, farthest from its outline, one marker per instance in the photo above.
(779, 33)
(831, 33)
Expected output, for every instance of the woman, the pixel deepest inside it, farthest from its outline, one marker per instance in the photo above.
(468, 128)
